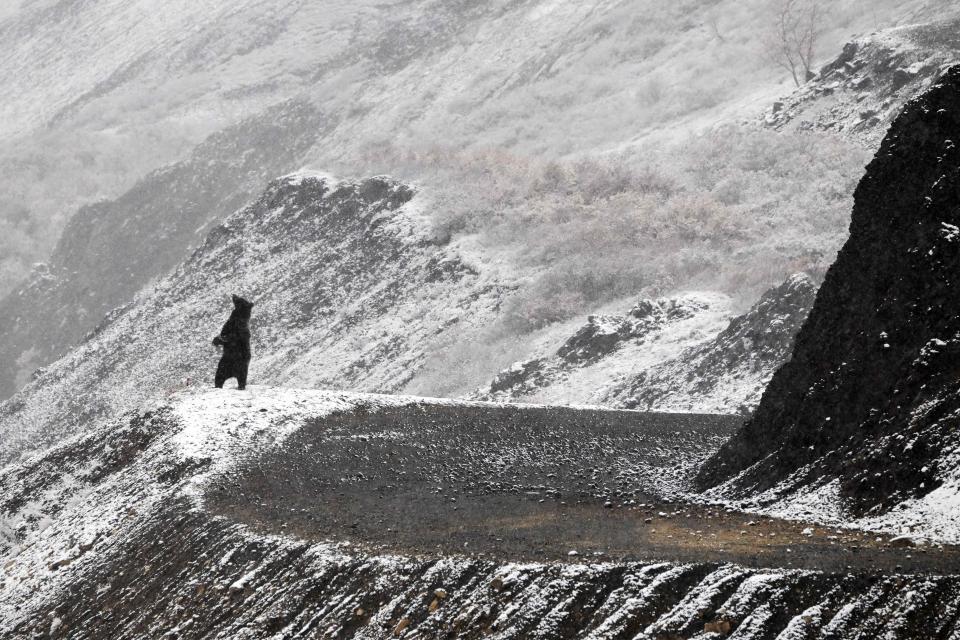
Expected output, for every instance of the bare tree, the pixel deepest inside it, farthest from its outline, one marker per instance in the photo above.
(713, 22)
(793, 38)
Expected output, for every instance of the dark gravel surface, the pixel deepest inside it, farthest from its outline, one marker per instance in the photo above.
(531, 484)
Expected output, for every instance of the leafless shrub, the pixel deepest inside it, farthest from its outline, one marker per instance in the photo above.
(792, 41)
(735, 210)
(713, 23)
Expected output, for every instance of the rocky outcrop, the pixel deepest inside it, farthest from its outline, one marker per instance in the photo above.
(584, 365)
(861, 91)
(604, 334)
(763, 337)
(683, 354)
(729, 372)
(865, 408)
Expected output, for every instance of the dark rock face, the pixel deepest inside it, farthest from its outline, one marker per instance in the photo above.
(873, 376)
(597, 338)
(530, 374)
(604, 334)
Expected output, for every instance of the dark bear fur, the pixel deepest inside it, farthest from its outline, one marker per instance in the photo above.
(235, 340)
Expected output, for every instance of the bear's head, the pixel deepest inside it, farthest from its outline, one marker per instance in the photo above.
(242, 305)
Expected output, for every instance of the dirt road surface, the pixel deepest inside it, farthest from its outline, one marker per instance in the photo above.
(532, 484)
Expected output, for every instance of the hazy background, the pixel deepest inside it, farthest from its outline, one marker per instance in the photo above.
(600, 150)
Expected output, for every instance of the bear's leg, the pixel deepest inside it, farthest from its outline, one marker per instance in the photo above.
(222, 373)
(242, 374)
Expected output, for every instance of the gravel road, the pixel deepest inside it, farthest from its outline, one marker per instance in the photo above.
(531, 483)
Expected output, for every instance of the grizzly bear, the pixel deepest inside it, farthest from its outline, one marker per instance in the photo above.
(235, 340)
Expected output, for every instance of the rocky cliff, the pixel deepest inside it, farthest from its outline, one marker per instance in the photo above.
(863, 416)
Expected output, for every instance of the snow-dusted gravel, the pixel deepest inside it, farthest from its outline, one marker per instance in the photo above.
(528, 483)
(136, 530)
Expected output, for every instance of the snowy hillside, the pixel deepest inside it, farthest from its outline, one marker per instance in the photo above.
(582, 368)
(350, 292)
(585, 190)
(728, 373)
(110, 250)
(860, 92)
(166, 118)
(681, 354)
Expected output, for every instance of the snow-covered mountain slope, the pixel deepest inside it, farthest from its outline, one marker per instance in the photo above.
(110, 250)
(861, 421)
(681, 354)
(864, 88)
(350, 292)
(84, 63)
(581, 368)
(353, 291)
(101, 93)
(121, 533)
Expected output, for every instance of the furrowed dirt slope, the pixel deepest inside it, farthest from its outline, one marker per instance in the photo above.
(862, 420)
(135, 530)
